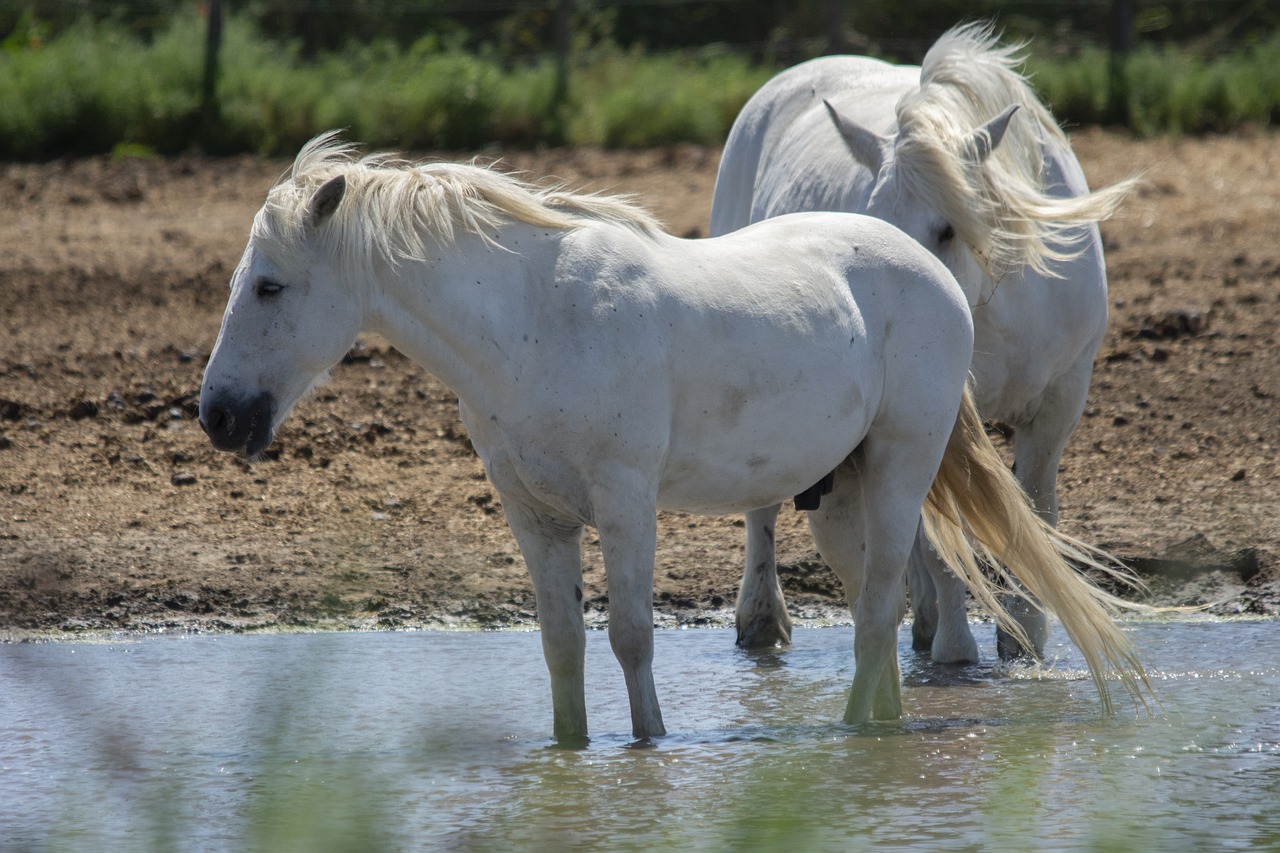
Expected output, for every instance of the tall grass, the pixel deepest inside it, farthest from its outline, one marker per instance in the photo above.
(98, 88)
(94, 89)
(626, 99)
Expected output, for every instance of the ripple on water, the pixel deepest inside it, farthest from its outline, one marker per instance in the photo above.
(445, 735)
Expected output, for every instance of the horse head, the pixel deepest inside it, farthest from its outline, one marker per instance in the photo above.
(933, 192)
(969, 179)
(288, 320)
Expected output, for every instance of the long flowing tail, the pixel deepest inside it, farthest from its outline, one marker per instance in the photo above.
(976, 512)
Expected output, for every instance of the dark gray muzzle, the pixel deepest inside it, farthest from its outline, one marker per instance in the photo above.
(238, 425)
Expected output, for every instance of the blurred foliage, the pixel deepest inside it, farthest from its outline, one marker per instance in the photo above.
(1167, 89)
(95, 88)
(83, 76)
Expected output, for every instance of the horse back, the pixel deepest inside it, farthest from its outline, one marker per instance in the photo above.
(783, 141)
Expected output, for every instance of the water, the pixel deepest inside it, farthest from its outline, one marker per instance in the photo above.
(438, 740)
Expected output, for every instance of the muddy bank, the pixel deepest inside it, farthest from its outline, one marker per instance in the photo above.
(371, 509)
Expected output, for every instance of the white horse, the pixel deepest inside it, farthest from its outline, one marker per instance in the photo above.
(961, 155)
(605, 369)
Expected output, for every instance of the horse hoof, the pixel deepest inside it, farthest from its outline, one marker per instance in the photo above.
(1010, 649)
(764, 636)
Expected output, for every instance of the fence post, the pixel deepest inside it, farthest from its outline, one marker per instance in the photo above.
(560, 95)
(209, 93)
(1121, 44)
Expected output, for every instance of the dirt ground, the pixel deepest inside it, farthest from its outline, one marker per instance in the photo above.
(372, 511)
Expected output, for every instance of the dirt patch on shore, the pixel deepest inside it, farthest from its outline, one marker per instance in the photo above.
(372, 510)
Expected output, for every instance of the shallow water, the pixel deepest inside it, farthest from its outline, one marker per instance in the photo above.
(440, 740)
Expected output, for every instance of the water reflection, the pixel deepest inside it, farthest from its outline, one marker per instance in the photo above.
(379, 741)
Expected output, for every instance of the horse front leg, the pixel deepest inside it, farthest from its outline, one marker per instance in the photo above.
(940, 607)
(628, 539)
(762, 617)
(552, 551)
(1037, 450)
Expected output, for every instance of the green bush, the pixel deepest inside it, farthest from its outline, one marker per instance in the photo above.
(1167, 90)
(1076, 90)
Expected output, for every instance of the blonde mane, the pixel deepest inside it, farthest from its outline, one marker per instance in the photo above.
(395, 210)
(1001, 208)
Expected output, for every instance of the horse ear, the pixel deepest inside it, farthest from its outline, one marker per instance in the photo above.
(987, 137)
(866, 146)
(326, 199)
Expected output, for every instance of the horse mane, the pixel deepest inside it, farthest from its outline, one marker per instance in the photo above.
(396, 210)
(1001, 207)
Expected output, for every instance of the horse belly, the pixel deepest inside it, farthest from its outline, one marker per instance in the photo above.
(743, 450)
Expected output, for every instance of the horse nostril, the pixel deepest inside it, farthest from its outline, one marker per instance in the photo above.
(217, 422)
(236, 424)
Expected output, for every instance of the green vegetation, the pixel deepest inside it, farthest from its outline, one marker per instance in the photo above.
(1167, 90)
(100, 87)
(93, 88)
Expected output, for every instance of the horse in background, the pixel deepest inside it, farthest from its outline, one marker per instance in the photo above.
(960, 154)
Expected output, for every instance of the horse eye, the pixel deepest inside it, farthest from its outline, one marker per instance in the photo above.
(947, 234)
(266, 288)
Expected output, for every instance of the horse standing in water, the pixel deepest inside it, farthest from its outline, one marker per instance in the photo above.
(961, 155)
(605, 369)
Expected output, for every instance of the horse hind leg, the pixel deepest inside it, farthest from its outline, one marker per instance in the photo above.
(864, 530)
(762, 617)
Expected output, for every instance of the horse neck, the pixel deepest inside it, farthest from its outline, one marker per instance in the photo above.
(458, 312)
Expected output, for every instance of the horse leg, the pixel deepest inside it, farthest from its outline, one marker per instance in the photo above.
(951, 640)
(864, 530)
(762, 616)
(628, 539)
(1038, 448)
(552, 550)
(924, 600)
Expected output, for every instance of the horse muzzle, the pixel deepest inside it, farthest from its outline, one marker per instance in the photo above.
(237, 425)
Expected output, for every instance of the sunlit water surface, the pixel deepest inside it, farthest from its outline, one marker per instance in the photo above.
(440, 740)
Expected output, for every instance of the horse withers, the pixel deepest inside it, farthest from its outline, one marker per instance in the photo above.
(605, 369)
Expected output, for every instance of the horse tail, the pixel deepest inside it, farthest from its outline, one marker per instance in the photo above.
(976, 513)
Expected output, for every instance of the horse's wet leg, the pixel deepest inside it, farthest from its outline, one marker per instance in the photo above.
(924, 600)
(1034, 623)
(1038, 448)
(867, 543)
(552, 551)
(952, 640)
(876, 692)
(762, 616)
